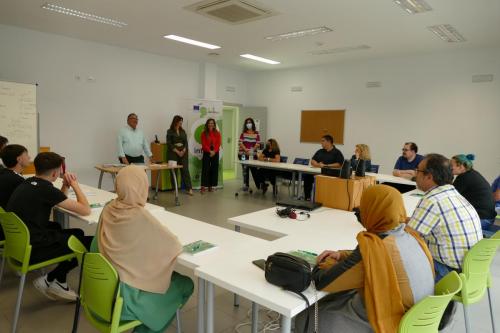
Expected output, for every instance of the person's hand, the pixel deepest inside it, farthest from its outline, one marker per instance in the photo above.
(257, 146)
(247, 151)
(212, 153)
(151, 160)
(328, 254)
(124, 160)
(321, 164)
(397, 173)
(70, 179)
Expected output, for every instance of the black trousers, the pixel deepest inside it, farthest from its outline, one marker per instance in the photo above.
(267, 174)
(210, 170)
(184, 161)
(308, 181)
(42, 252)
(132, 159)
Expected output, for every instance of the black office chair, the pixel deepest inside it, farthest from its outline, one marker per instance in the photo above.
(374, 168)
(283, 159)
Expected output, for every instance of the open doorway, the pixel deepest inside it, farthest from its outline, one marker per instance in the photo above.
(230, 140)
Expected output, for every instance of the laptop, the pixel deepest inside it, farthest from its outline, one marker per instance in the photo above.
(298, 204)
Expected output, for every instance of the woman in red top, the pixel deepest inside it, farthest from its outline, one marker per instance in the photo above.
(210, 142)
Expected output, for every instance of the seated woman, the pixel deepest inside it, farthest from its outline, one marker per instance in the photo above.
(476, 189)
(271, 153)
(390, 270)
(143, 252)
(361, 152)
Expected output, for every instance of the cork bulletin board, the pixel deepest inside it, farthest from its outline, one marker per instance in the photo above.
(316, 123)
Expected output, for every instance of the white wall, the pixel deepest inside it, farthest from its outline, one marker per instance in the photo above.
(429, 99)
(232, 78)
(79, 118)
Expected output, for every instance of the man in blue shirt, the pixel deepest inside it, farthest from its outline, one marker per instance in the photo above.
(407, 163)
(132, 143)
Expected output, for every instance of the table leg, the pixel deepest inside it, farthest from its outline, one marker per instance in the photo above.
(255, 317)
(157, 184)
(299, 186)
(293, 184)
(210, 307)
(286, 324)
(201, 305)
(176, 188)
(236, 297)
(99, 184)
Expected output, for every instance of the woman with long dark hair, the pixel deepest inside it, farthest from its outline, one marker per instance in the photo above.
(210, 143)
(177, 145)
(249, 143)
(271, 153)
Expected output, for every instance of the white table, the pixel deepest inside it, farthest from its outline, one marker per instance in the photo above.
(245, 279)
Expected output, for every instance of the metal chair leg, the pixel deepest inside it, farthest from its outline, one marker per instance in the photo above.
(467, 319)
(1, 268)
(18, 302)
(179, 324)
(491, 311)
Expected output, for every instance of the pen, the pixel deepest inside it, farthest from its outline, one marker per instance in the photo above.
(310, 253)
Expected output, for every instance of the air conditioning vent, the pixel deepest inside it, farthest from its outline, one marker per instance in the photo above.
(231, 11)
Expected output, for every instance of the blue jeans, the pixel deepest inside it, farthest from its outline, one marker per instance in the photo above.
(489, 227)
(441, 270)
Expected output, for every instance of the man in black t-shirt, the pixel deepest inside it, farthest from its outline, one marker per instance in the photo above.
(33, 201)
(3, 142)
(15, 158)
(328, 156)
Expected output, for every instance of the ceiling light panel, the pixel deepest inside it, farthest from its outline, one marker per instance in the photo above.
(413, 6)
(300, 33)
(447, 33)
(83, 15)
(257, 58)
(341, 50)
(192, 42)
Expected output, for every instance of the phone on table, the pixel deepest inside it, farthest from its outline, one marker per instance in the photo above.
(261, 263)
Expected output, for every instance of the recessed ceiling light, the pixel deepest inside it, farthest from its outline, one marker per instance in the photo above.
(86, 16)
(414, 6)
(447, 33)
(256, 58)
(192, 42)
(300, 33)
(341, 50)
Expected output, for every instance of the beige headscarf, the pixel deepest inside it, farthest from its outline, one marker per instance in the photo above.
(141, 249)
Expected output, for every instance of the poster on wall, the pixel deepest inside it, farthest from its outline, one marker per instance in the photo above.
(197, 113)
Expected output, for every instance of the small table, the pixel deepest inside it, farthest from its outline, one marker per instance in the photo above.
(113, 169)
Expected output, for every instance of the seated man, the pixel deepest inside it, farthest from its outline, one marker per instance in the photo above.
(3, 142)
(15, 158)
(446, 220)
(328, 156)
(32, 201)
(407, 163)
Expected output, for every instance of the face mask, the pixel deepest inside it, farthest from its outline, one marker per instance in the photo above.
(249, 126)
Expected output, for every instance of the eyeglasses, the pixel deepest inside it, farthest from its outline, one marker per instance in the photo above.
(404, 149)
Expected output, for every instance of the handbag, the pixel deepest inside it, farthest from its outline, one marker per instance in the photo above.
(292, 274)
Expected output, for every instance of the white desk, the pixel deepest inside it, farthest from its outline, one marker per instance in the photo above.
(247, 280)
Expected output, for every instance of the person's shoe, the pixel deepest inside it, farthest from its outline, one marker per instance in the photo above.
(190, 192)
(264, 187)
(448, 315)
(202, 189)
(210, 189)
(62, 291)
(42, 285)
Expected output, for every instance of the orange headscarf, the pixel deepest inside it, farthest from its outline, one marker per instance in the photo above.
(382, 209)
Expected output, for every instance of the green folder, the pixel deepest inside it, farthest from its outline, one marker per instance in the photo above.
(310, 257)
(197, 247)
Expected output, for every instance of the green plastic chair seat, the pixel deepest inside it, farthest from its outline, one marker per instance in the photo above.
(424, 317)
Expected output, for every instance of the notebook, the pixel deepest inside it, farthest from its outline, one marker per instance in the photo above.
(197, 247)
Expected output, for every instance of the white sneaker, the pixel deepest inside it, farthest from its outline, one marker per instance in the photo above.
(62, 291)
(42, 285)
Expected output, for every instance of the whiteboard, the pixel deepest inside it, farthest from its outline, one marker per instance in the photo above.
(18, 116)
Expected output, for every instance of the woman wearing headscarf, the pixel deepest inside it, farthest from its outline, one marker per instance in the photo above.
(389, 271)
(143, 252)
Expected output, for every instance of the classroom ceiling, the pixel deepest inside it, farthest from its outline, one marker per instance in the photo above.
(380, 24)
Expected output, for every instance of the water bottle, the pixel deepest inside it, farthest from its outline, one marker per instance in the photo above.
(251, 154)
(243, 156)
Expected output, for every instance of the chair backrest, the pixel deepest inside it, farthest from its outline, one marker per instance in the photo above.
(302, 161)
(77, 247)
(476, 269)
(283, 159)
(374, 168)
(2, 210)
(424, 317)
(17, 248)
(2, 241)
(99, 288)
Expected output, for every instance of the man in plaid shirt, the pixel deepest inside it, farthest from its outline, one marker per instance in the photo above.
(446, 220)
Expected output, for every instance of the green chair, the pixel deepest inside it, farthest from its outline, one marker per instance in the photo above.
(476, 277)
(17, 253)
(424, 317)
(79, 249)
(2, 246)
(100, 295)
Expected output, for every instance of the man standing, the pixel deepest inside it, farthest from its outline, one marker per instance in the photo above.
(328, 156)
(446, 220)
(132, 143)
(407, 163)
(33, 201)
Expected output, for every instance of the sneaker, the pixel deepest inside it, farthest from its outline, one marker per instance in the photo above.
(202, 190)
(448, 315)
(42, 285)
(62, 291)
(264, 187)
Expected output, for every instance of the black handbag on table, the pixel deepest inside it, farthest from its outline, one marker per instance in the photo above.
(290, 273)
